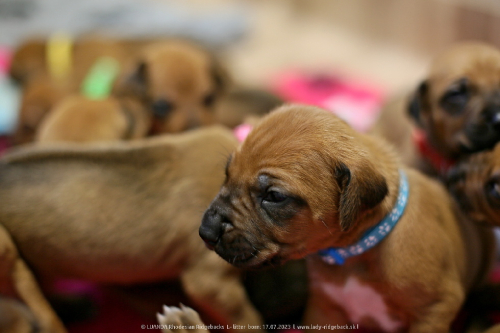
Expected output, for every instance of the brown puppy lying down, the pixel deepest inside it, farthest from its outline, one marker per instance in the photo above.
(454, 111)
(117, 214)
(80, 119)
(475, 183)
(305, 184)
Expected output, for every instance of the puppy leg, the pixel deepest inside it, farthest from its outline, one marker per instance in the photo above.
(438, 317)
(16, 277)
(180, 320)
(216, 288)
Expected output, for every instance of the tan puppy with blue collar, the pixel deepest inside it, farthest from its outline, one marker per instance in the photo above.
(304, 181)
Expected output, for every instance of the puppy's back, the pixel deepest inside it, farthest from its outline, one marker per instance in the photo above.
(96, 200)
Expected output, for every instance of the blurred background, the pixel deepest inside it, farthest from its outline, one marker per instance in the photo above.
(386, 41)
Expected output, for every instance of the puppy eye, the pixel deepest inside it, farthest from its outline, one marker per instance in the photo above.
(161, 108)
(456, 98)
(274, 197)
(209, 100)
(493, 190)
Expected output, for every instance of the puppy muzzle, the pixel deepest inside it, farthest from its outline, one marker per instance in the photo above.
(485, 132)
(219, 234)
(211, 228)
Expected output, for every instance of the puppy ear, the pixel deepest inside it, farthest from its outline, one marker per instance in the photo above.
(418, 101)
(136, 83)
(359, 191)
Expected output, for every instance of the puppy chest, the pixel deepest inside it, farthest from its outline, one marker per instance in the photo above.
(361, 303)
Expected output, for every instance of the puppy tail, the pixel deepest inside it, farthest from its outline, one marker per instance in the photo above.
(180, 320)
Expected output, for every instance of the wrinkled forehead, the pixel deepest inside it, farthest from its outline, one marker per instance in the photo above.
(296, 176)
(283, 164)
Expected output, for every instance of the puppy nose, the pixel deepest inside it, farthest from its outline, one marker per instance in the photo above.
(161, 108)
(492, 115)
(211, 228)
(495, 120)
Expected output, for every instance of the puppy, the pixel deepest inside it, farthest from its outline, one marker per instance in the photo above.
(41, 91)
(122, 214)
(179, 82)
(80, 119)
(305, 184)
(456, 109)
(475, 183)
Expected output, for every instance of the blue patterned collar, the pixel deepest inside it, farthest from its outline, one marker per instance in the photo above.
(338, 255)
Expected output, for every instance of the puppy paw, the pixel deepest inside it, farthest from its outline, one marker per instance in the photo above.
(180, 320)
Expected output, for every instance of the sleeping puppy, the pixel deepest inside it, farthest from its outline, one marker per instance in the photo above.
(122, 214)
(475, 182)
(179, 82)
(455, 111)
(305, 184)
(80, 119)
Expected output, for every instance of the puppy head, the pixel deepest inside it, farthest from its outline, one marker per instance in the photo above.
(179, 82)
(299, 183)
(39, 96)
(28, 60)
(458, 105)
(475, 183)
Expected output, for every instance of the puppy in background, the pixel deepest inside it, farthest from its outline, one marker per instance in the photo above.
(48, 80)
(80, 119)
(179, 82)
(305, 184)
(475, 182)
(454, 112)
